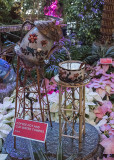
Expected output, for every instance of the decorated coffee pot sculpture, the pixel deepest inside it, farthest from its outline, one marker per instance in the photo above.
(38, 43)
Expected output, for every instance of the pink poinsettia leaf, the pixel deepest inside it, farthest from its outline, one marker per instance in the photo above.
(108, 77)
(50, 84)
(105, 67)
(108, 158)
(108, 89)
(111, 132)
(112, 121)
(103, 137)
(107, 104)
(99, 113)
(101, 92)
(112, 115)
(105, 127)
(102, 110)
(112, 91)
(108, 144)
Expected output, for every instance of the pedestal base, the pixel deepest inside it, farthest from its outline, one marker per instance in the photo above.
(90, 145)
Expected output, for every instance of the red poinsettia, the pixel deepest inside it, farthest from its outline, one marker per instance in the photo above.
(32, 38)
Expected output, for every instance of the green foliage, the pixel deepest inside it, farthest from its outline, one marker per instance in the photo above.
(72, 157)
(80, 53)
(99, 52)
(9, 12)
(91, 59)
(51, 69)
(15, 13)
(39, 155)
(59, 152)
(110, 52)
(87, 15)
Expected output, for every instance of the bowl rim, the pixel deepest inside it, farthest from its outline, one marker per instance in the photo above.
(71, 61)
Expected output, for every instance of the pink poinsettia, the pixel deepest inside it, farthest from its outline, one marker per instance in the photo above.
(105, 127)
(50, 84)
(101, 92)
(108, 77)
(108, 158)
(112, 121)
(102, 136)
(108, 144)
(99, 112)
(98, 83)
(111, 132)
(107, 104)
(112, 91)
(112, 115)
(108, 89)
(102, 110)
(101, 69)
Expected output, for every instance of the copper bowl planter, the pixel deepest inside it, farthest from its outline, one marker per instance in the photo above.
(71, 71)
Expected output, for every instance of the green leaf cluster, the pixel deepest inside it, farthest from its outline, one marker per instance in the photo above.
(9, 12)
(39, 155)
(51, 69)
(99, 52)
(87, 15)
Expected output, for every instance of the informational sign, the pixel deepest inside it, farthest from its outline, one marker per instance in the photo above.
(30, 130)
(106, 60)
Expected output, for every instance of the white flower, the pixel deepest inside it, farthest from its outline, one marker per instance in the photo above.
(86, 109)
(54, 107)
(4, 130)
(36, 105)
(3, 156)
(10, 114)
(54, 97)
(1, 116)
(90, 95)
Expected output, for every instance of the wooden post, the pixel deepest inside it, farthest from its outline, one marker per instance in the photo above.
(18, 66)
(38, 81)
(48, 103)
(73, 109)
(84, 109)
(65, 110)
(60, 100)
(80, 117)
